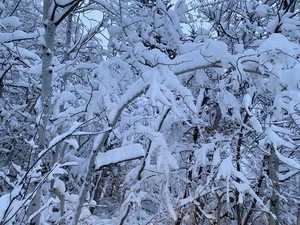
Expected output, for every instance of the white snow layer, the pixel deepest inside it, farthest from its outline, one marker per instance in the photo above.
(121, 154)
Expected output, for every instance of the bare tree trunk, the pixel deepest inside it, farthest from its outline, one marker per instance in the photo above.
(253, 205)
(238, 206)
(298, 214)
(47, 70)
(67, 47)
(46, 76)
(274, 202)
(68, 37)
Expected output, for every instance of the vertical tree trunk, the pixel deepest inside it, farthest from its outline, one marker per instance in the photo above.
(298, 214)
(47, 70)
(46, 77)
(67, 47)
(238, 207)
(68, 37)
(274, 202)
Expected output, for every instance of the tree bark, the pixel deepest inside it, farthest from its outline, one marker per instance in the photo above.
(298, 214)
(67, 48)
(46, 77)
(274, 201)
(238, 206)
(47, 71)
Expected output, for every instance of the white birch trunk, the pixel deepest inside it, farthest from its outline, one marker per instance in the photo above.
(46, 77)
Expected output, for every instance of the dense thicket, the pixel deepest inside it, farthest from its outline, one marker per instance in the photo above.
(149, 112)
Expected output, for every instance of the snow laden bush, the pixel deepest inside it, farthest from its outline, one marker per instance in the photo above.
(159, 113)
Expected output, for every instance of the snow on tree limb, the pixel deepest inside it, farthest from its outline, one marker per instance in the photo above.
(16, 36)
(134, 91)
(290, 162)
(117, 155)
(211, 54)
(61, 137)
